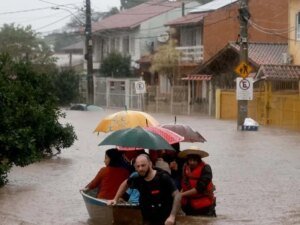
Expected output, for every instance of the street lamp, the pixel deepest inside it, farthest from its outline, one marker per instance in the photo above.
(69, 11)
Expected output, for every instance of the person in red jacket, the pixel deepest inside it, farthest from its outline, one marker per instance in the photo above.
(197, 187)
(110, 177)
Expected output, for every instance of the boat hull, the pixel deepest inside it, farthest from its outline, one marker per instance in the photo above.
(127, 214)
(120, 214)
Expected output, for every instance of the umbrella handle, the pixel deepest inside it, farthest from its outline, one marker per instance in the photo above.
(175, 119)
(147, 123)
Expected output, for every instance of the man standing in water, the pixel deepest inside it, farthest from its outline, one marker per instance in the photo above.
(159, 197)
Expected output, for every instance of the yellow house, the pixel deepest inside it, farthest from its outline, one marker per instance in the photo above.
(294, 34)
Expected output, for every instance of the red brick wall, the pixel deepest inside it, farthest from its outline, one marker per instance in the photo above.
(222, 26)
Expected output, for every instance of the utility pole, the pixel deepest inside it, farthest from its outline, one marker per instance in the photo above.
(244, 15)
(89, 53)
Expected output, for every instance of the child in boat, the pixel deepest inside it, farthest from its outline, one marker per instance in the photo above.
(109, 177)
(132, 195)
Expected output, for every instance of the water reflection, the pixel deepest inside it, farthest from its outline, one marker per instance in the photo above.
(257, 175)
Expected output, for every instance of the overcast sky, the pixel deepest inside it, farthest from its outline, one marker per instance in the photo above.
(41, 17)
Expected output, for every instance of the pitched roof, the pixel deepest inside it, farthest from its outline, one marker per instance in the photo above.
(197, 77)
(77, 46)
(279, 72)
(258, 53)
(133, 17)
(264, 53)
(191, 18)
(214, 5)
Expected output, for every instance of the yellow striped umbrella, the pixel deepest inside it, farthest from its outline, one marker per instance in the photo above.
(125, 119)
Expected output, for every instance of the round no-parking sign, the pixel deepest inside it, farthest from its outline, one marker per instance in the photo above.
(140, 87)
(244, 88)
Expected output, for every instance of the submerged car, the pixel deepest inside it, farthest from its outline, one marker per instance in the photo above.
(85, 107)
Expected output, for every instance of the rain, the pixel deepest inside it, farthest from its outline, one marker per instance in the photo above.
(256, 173)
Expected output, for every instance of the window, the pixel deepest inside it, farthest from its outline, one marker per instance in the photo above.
(298, 26)
(132, 45)
(126, 45)
(190, 36)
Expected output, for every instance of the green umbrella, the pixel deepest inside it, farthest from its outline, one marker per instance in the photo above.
(136, 137)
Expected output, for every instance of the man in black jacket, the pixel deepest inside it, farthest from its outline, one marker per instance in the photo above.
(159, 196)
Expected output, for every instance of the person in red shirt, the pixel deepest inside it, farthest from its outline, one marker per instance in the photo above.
(110, 177)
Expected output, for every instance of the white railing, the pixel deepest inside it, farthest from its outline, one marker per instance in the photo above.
(191, 54)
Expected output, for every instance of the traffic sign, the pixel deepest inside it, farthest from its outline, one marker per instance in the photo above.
(244, 88)
(140, 87)
(243, 69)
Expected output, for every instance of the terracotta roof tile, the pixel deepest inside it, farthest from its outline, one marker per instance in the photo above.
(132, 17)
(279, 72)
(197, 77)
(265, 53)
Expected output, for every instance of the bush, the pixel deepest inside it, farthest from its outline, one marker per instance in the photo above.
(29, 117)
(116, 65)
(66, 85)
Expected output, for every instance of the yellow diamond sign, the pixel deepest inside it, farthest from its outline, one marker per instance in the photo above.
(243, 69)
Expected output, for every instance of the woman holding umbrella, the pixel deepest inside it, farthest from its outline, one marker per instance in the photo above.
(106, 180)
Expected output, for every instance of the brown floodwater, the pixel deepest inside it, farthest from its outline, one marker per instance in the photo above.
(256, 173)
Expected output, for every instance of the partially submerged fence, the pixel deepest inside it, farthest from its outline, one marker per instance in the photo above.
(280, 108)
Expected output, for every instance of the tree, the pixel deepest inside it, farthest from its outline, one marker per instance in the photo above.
(23, 43)
(127, 4)
(111, 12)
(78, 20)
(61, 40)
(165, 60)
(204, 1)
(116, 65)
(29, 113)
(66, 85)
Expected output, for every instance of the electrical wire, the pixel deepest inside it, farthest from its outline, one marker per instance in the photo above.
(59, 5)
(63, 18)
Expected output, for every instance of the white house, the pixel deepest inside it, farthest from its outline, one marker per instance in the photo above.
(137, 31)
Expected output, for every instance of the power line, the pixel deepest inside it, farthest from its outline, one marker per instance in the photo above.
(57, 21)
(66, 5)
(28, 10)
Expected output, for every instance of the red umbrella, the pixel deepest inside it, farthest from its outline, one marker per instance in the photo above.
(167, 134)
(189, 134)
(170, 136)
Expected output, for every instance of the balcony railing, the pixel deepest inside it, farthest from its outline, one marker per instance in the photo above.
(190, 54)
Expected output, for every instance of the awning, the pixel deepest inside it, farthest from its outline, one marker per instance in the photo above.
(197, 77)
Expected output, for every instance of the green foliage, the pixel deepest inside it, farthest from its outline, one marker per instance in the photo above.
(23, 43)
(61, 40)
(111, 12)
(66, 85)
(204, 1)
(29, 113)
(127, 4)
(116, 65)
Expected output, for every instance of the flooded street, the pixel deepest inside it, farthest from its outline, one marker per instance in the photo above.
(257, 175)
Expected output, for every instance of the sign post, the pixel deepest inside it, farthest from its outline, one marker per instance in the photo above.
(243, 69)
(244, 89)
(140, 89)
